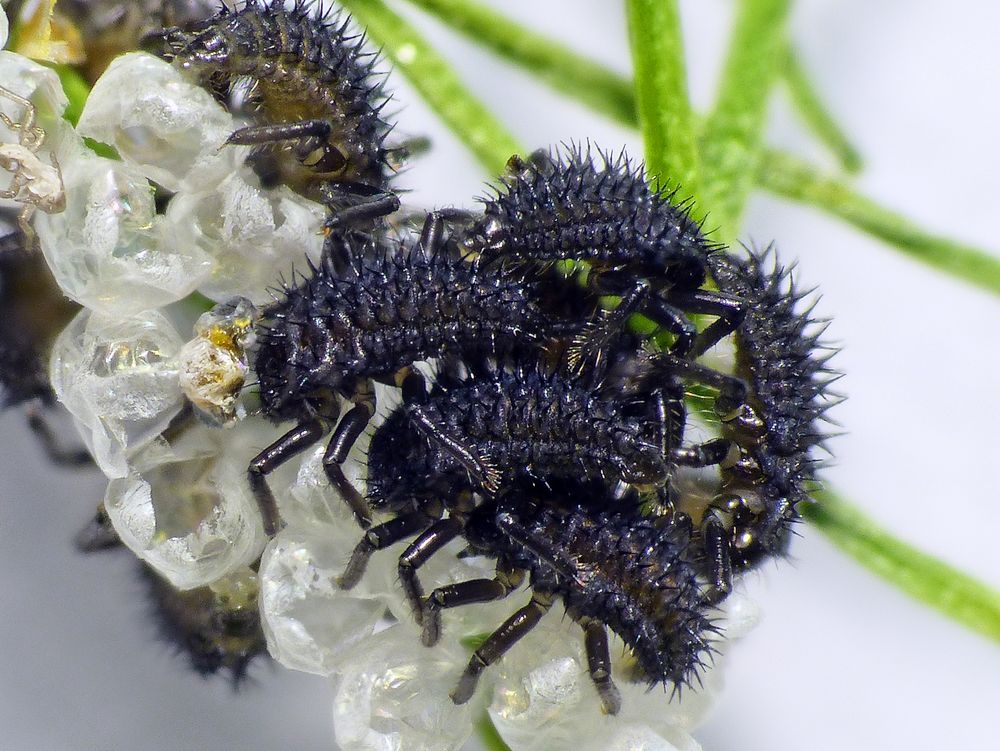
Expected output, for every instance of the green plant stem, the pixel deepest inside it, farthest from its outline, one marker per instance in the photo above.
(810, 107)
(925, 578)
(489, 738)
(550, 61)
(437, 83)
(664, 109)
(733, 135)
(790, 177)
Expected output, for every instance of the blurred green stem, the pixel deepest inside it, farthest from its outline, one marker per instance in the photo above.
(733, 134)
(810, 107)
(77, 90)
(488, 735)
(661, 93)
(554, 63)
(792, 178)
(438, 84)
(953, 593)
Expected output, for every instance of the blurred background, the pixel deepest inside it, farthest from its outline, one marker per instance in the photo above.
(840, 659)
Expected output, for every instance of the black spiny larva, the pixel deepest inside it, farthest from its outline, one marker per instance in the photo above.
(612, 566)
(218, 630)
(583, 542)
(313, 96)
(780, 356)
(639, 244)
(528, 424)
(374, 307)
(483, 431)
(217, 627)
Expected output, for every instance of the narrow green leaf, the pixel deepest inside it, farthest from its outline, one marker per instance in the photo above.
(77, 90)
(437, 83)
(600, 88)
(810, 107)
(554, 63)
(790, 177)
(933, 582)
(664, 109)
(489, 738)
(731, 141)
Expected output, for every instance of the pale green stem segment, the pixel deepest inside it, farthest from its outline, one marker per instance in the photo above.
(733, 135)
(437, 83)
(554, 63)
(814, 113)
(665, 118)
(790, 177)
(77, 90)
(489, 738)
(933, 582)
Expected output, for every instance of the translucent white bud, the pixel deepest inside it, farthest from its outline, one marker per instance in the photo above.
(118, 377)
(108, 250)
(311, 624)
(171, 130)
(253, 236)
(392, 693)
(186, 508)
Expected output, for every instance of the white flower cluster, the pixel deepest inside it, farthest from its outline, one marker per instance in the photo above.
(178, 495)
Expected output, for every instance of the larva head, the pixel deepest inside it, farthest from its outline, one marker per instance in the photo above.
(294, 384)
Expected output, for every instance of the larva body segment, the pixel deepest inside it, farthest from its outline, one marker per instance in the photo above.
(614, 566)
(373, 308)
(33, 310)
(577, 540)
(485, 430)
(639, 244)
(784, 363)
(394, 305)
(313, 97)
(600, 209)
(219, 632)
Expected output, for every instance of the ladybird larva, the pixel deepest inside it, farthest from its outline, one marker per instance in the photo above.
(311, 94)
(780, 355)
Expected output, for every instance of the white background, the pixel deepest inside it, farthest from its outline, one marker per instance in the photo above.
(841, 660)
